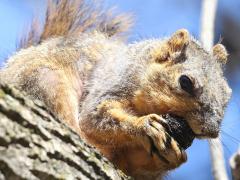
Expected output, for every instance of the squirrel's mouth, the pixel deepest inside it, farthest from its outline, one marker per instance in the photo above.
(180, 130)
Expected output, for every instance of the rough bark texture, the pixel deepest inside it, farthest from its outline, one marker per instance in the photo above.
(235, 165)
(34, 145)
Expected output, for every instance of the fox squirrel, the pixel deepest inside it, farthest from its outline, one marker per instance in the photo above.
(119, 97)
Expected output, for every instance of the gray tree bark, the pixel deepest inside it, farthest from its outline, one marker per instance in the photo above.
(34, 145)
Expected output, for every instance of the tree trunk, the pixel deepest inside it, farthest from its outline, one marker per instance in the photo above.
(34, 145)
(235, 165)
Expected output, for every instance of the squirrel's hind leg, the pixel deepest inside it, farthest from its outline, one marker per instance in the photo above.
(61, 91)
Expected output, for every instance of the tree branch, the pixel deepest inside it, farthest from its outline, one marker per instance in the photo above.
(207, 22)
(33, 145)
(235, 165)
(207, 37)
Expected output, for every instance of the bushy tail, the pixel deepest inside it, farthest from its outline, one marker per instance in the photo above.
(73, 17)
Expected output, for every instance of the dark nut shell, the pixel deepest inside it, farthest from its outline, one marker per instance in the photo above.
(180, 130)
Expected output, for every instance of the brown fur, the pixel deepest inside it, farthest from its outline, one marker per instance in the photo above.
(221, 53)
(115, 95)
(73, 17)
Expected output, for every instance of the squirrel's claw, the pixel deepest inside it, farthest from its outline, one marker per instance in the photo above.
(160, 144)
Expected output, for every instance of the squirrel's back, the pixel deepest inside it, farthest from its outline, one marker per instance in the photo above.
(76, 34)
(70, 26)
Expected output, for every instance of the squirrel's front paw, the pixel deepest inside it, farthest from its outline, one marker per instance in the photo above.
(158, 143)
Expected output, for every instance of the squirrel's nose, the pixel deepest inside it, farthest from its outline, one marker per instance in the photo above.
(213, 134)
(208, 132)
(206, 135)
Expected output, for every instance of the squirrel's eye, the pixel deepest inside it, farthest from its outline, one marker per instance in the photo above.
(186, 84)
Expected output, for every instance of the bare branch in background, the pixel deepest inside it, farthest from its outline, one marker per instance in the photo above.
(218, 162)
(207, 36)
(235, 165)
(207, 22)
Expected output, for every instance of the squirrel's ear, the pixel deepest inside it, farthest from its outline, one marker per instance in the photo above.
(220, 53)
(179, 40)
(174, 48)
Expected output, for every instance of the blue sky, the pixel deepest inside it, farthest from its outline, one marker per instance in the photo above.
(154, 18)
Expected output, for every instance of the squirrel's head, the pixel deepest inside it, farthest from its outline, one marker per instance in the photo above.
(183, 79)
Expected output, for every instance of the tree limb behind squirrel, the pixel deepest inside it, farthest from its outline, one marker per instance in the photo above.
(118, 96)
